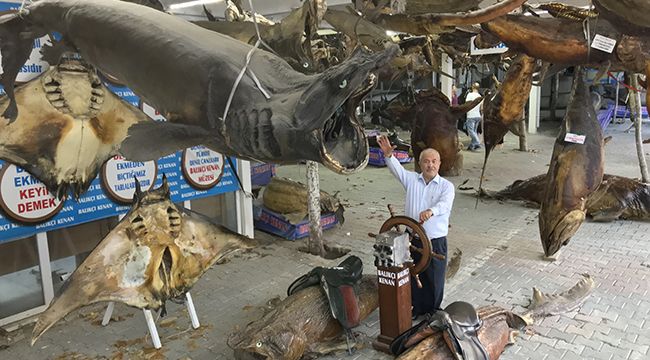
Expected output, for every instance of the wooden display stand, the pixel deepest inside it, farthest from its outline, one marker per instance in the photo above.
(394, 305)
(395, 271)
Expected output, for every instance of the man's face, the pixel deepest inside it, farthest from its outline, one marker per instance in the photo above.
(429, 164)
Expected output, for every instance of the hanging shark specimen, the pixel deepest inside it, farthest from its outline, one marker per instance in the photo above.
(214, 90)
(576, 170)
(563, 42)
(285, 38)
(156, 253)
(71, 124)
(433, 23)
(628, 16)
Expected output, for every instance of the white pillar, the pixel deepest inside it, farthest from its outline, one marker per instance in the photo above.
(446, 66)
(534, 103)
(46, 270)
(244, 200)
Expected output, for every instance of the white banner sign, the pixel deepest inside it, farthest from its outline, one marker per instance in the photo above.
(118, 177)
(24, 197)
(202, 167)
(34, 65)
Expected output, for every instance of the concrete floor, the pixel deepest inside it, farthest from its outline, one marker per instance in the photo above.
(500, 265)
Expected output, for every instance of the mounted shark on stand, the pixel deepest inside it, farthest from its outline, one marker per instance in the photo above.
(268, 113)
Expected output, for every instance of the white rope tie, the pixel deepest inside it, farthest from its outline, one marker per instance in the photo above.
(249, 55)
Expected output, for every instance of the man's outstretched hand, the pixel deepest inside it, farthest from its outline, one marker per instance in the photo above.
(385, 146)
(425, 215)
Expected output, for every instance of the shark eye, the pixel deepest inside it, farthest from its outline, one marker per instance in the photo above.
(343, 84)
(305, 65)
(259, 344)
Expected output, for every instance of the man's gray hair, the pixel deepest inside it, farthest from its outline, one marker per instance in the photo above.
(428, 150)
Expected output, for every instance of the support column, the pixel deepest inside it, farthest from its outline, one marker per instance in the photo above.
(46, 270)
(447, 66)
(534, 103)
(244, 200)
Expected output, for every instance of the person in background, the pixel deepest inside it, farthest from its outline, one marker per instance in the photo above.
(429, 199)
(474, 118)
(454, 95)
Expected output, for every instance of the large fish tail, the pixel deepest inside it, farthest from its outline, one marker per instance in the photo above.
(16, 39)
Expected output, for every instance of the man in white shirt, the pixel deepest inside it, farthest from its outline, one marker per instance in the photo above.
(429, 199)
(473, 118)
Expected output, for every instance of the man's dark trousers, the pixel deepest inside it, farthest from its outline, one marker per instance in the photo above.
(429, 297)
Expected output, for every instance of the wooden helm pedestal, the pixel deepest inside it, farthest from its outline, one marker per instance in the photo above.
(394, 271)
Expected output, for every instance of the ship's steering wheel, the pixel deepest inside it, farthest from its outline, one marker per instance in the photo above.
(412, 227)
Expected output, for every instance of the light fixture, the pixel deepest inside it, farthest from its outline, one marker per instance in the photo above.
(192, 3)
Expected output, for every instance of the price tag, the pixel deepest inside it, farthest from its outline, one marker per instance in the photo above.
(575, 138)
(603, 43)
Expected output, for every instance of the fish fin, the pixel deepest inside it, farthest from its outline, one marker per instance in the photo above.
(339, 215)
(538, 298)
(52, 53)
(152, 140)
(16, 41)
(208, 14)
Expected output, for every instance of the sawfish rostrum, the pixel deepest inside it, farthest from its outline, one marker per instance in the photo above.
(186, 72)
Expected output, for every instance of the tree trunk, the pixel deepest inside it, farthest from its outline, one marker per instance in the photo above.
(523, 141)
(313, 198)
(635, 113)
(555, 93)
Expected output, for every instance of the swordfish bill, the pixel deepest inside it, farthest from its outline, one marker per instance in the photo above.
(576, 170)
(187, 73)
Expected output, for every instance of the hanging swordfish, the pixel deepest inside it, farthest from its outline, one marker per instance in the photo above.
(187, 73)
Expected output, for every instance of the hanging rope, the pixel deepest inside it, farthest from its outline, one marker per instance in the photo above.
(245, 68)
(249, 55)
(609, 73)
